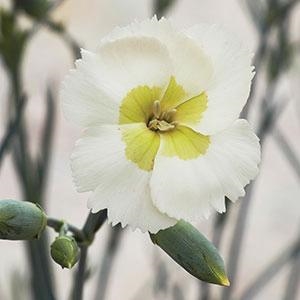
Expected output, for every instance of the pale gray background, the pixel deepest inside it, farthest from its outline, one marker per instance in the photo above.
(275, 211)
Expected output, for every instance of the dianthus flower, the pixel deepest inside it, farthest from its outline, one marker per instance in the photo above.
(159, 107)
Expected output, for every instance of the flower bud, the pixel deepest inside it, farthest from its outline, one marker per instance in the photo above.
(65, 251)
(191, 250)
(21, 220)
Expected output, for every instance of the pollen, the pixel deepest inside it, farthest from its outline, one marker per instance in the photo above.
(161, 121)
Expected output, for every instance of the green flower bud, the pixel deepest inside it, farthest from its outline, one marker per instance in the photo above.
(21, 220)
(191, 250)
(65, 251)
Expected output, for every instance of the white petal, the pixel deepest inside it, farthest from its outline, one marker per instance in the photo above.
(92, 93)
(189, 189)
(191, 67)
(84, 101)
(230, 85)
(133, 61)
(99, 164)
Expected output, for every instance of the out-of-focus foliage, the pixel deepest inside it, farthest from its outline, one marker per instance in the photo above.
(12, 41)
(162, 6)
(35, 8)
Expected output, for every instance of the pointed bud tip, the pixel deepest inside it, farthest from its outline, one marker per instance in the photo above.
(224, 281)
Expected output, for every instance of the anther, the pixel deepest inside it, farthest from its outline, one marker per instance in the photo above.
(169, 115)
(156, 109)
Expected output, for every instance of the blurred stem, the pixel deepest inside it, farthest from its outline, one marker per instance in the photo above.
(92, 224)
(287, 150)
(257, 62)
(218, 230)
(43, 161)
(289, 254)
(268, 119)
(61, 31)
(12, 129)
(107, 262)
(219, 225)
(41, 280)
(80, 275)
(293, 281)
(162, 6)
(236, 243)
(266, 126)
(37, 251)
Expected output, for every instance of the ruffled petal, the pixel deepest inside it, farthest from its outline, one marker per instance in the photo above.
(135, 61)
(232, 73)
(190, 189)
(191, 66)
(92, 93)
(99, 164)
(84, 101)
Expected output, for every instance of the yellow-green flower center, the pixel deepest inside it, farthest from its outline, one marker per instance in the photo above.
(159, 118)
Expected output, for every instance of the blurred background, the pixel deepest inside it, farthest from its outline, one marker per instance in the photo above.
(259, 237)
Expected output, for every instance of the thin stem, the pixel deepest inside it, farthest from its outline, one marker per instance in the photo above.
(287, 150)
(46, 141)
(107, 262)
(40, 281)
(293, 281)
(271, 270)
(57, 224)
(12, 129)
(219, 225)
(37, 251)
(257, 62)
(92, 224)
(235, 247)
(266, 125)
(80, 275)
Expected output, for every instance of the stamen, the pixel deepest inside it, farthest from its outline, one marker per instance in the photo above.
(165, 126)
(169, 115)
(161, 121)
(156, 109)
(153, 124)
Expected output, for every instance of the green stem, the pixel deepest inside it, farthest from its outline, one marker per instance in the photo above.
(80, 275)
(293, 281)
(58, 224)
(107, 262)
(37, 251)
(92, 224)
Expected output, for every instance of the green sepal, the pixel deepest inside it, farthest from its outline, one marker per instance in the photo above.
(21, 220)
(65, 251)
(192, 251)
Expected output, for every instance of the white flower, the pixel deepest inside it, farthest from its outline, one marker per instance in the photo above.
(162, 139)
